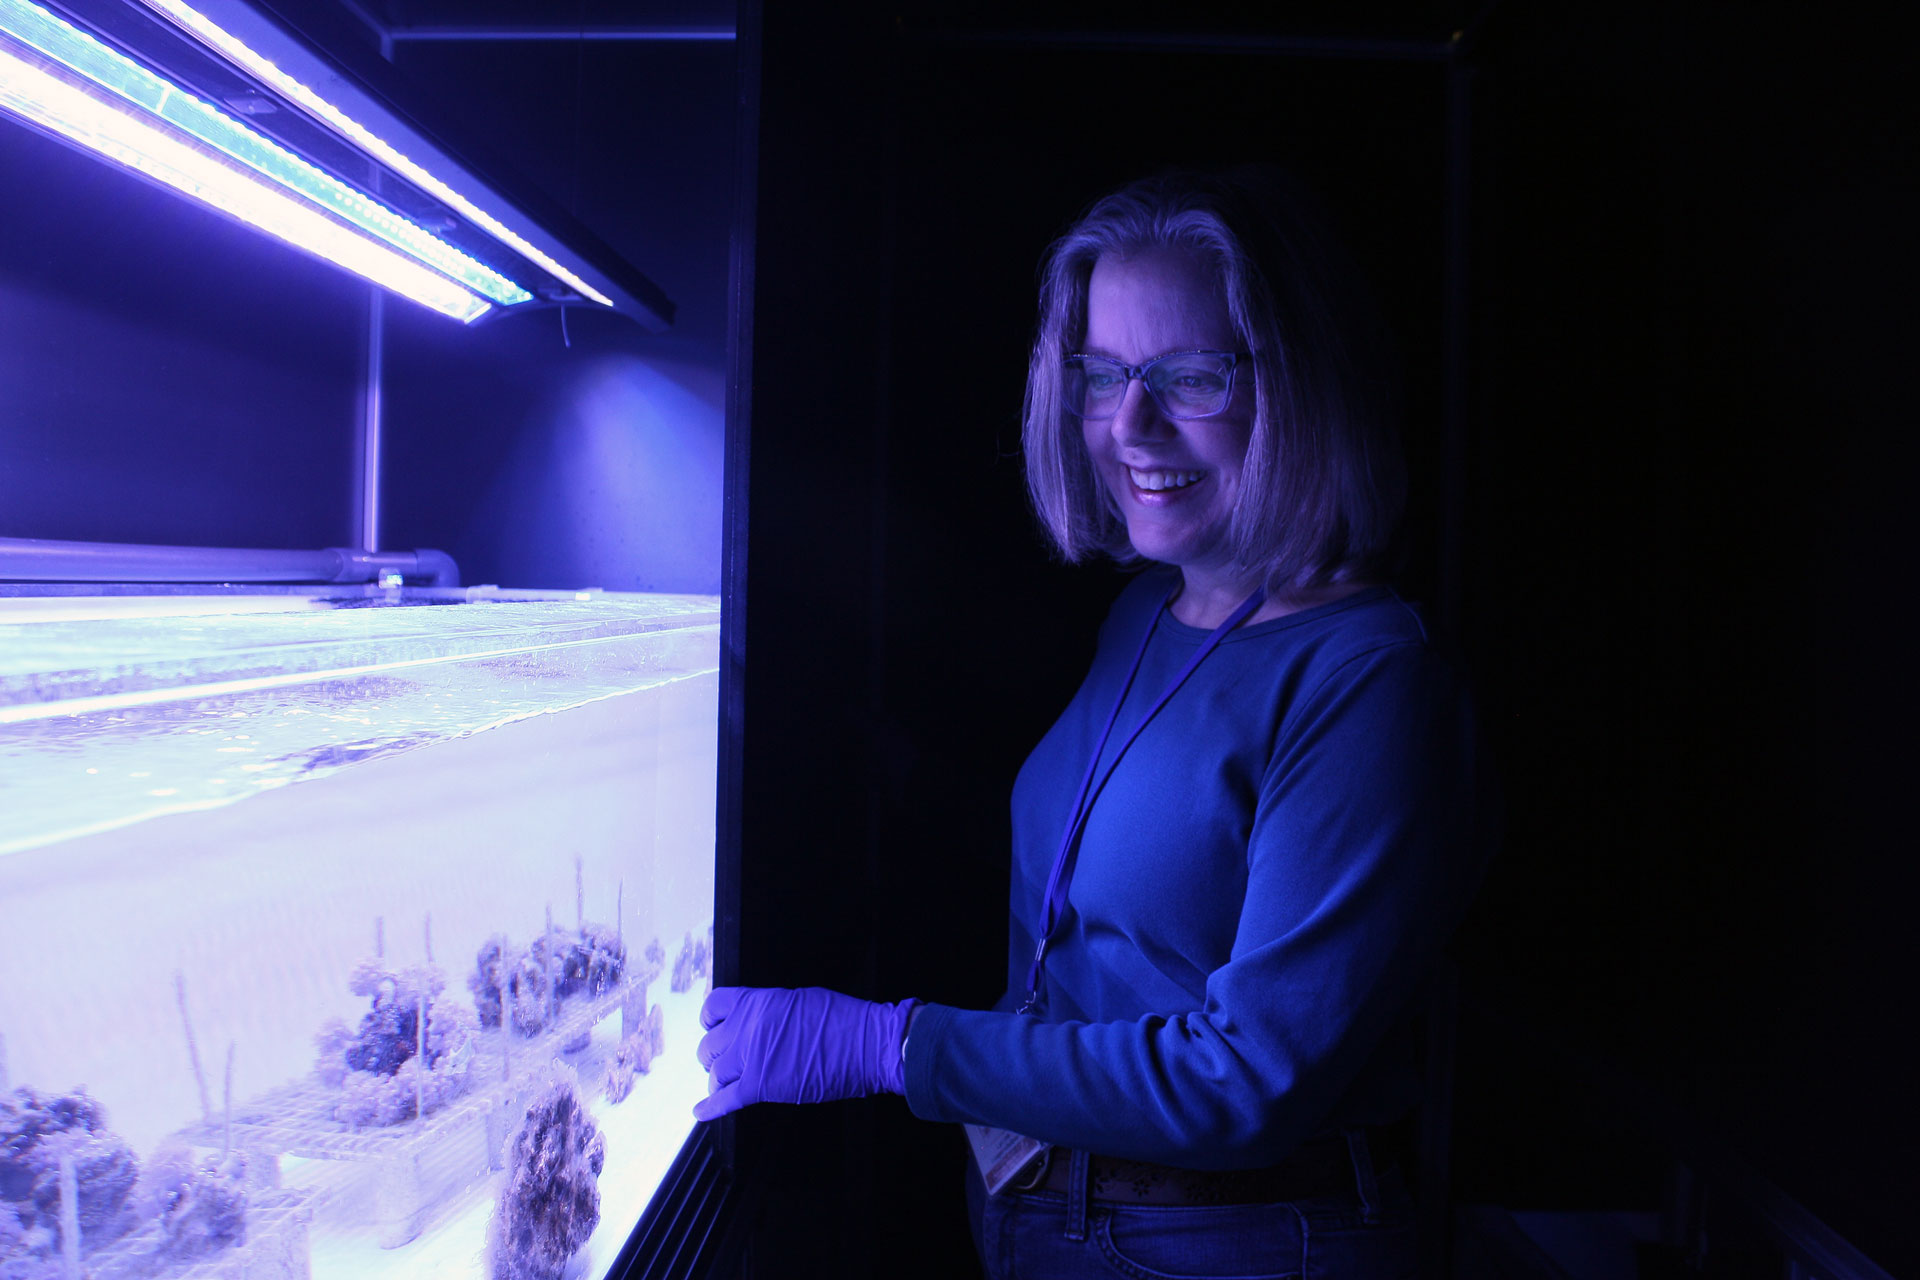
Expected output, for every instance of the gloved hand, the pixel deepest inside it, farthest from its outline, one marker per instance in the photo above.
(777, 1044)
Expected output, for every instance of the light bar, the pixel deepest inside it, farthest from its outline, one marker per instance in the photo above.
(263, 69)
(62, 43)
(116, 131)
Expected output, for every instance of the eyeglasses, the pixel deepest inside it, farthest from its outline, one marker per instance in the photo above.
(1185, 384)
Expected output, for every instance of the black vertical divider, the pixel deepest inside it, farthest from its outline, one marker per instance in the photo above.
(729, 1250)
(805, 884)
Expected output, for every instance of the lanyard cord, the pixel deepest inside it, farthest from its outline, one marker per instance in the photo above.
(1061, 876)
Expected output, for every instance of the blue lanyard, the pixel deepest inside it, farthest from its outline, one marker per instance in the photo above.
(1062, 874)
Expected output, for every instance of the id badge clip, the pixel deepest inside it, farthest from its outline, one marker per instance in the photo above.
(1001, 1154)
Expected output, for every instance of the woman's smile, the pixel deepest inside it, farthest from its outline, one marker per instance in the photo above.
(1160, 483)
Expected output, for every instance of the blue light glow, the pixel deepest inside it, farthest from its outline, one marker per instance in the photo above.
(44, 99)
(263, 69)
(150, 92)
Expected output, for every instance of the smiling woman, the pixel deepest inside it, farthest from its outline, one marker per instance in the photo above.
(1240, 847)
(1302, 469)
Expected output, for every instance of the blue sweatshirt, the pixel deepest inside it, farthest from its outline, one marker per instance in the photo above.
(1262, 883)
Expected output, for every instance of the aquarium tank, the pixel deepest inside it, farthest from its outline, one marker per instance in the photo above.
(349, 933)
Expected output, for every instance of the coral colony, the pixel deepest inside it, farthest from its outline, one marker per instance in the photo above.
(694, 962)
(551, 1201)
(200, 1203)
(46, 1139)
(70, 1187)
(417, 1105)
(410, 1055)
(534, 981)
(635, 1055)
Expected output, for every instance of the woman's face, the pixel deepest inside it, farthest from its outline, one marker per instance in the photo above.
(1175, 480)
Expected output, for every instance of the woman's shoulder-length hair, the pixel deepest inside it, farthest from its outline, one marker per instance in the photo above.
(1323, 482)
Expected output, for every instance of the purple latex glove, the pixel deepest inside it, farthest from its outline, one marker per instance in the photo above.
(778, 1044)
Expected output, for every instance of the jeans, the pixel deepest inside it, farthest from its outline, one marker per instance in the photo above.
(1045, 1235)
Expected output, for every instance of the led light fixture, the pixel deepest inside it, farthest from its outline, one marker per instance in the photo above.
(62, 80)
(262, 68)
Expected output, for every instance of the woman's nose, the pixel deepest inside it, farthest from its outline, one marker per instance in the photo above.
(1139, 416)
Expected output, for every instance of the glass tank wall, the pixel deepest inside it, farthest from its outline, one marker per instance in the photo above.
(342, 938)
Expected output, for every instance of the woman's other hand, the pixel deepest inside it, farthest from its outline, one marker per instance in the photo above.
(778, 1044)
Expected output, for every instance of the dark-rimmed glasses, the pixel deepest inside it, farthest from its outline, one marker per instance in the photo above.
(1185, 384)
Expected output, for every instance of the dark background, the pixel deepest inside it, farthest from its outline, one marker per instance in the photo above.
(1670, 544)
(1679, 575)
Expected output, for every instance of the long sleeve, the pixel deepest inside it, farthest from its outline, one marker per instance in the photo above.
(1260, 888)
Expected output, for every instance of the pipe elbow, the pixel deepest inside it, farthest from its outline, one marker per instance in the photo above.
(437, 567)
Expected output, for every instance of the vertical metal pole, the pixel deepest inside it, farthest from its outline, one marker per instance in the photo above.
(553, 995)
(420, 1057)
(371, 403)
(1454, 433)
(69, 1220)
(370, 413)
(226, 1105)
(193, 1046)
(500, 980)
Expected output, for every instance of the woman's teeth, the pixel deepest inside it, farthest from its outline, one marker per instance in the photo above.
(1154, 481)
